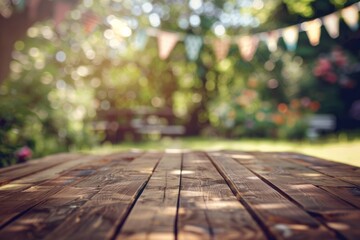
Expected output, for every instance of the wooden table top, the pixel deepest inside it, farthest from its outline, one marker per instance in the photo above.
(190, 195)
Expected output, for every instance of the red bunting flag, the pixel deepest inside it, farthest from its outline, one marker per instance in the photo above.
(272, 39)
(33, 6)
(247, 46)
(166, 43)
(61, 8)
(221, 47)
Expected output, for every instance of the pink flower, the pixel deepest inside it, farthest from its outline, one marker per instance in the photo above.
(24, 153)
(330, 77)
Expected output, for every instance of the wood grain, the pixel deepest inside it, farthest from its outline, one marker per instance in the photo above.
(154, 214)
(346, 173)
(17, 202)
(16, 172)
(283, 219)
(100, 217)
(208, 208)
(44, 217)
(192, 195)
(309, 197)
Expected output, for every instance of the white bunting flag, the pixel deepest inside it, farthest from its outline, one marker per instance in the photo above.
(313, 31)
(247, 46)
(272, 39)
(221, 48)
(331, 23)
(351, 16)
(290, 36)
(166, 43)
(192, 46)
(5, 9)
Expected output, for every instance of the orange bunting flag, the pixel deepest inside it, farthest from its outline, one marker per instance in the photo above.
(331, 23)
(166, 43)
(61, 8)
(221, 48)
(272, 39)
(90, 21)
(351, 16)
(290, 36)
(247, 46)
(313, 31)
(33, 6)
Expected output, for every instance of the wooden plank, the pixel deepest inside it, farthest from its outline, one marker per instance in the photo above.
(346, 173)
(31, 162)
(10, 174)
(207, 208)
(100, 217)
(18, 202)
(16, 186)
(297, 174)
(334, 185)
(282, 218)
(348, 194)
(154, 214)
(283, 176)
(307, 160)
(309, 197)
(46, 216)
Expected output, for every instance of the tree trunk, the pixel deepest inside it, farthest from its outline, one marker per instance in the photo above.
(15, 27)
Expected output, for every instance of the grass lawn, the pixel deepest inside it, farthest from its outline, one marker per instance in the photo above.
(340, 151)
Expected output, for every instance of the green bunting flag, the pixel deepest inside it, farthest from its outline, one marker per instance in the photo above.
(19, 5)
(193, 45)
(140, 40)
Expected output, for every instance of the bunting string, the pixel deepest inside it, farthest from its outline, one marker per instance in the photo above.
(247, 44)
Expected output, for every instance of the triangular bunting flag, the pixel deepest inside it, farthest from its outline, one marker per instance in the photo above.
(5, 8)
(192, 46)
(331, 23)
(290, 36)
(313, 30)
(247, 46)
(272, 39)
(61, 8)
(20, 5)
(221, 48)
(90, 21)
(351, 16)
(166, 43)
(33, 6)
(140, 40)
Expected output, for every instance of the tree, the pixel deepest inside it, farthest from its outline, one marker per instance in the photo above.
(15, 23)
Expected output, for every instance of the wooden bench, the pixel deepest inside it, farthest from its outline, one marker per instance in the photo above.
(180, 195)
(320, 123)
(118, 124)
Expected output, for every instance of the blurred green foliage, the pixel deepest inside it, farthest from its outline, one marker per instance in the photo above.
(61, 78)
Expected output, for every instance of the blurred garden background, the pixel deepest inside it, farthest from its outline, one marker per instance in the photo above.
(271, 75)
